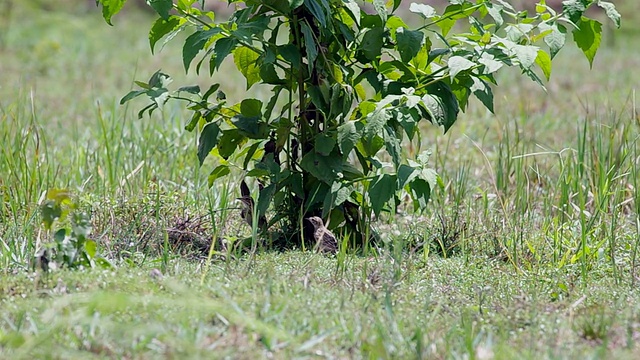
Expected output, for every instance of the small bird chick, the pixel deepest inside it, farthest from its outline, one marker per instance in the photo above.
(325, 240)
(247, 213)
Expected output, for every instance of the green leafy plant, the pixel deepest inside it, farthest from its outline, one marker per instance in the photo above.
(349, 90)
(71, 245)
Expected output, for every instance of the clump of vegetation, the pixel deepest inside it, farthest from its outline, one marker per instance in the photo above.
(71, 246)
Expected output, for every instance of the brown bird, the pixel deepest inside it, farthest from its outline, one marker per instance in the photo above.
(325, 240)
(246, 213)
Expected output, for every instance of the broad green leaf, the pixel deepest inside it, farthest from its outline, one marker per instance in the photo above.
(81, 226)
(269, 163)
(518, 32)
(222, 49)
(290, 54)
(574, 9)
(159, 80)
(370, 146)
(104, 263)
(142, 84)
(251, 108)
(150, 108)
(544, 61)
(588, 37)
(208, 140)
(533, 76)
(110, 8)
(197, 116)
(50, 212)
(461, 88)
(194, 43)
(258, 172)
(381, 9)
(381, 191)
(213, 88)
(310, 45)
(490, 64)
(506, 5)
(278, 6)
(294, 4)
(159, 96)
(495, 11)
(324, 144)
(285, 127)
(458, 64)
(340, 102)
(162, 7)
(526, 55)
(317, 98)
(423, 10)
(610, 10)
(162, 27)
(246, 61)
(323, 168)
(348, 136)
(248, 31)
(409, 43)
(264, 199)
(251, 127)
(218, 172)
(131, 95)
(372, 43)
(351, 172)
(269, 75)
(316, 9)
(408, 119)
(394, 23)
(429, 175)
(555, 39)
(435, 53)
(452, 14)
(392, 144)
(193, 89)
(342, 193)
(255, 27)
(441, 104)
(185, 4)
(445, 24)
(483, 92)
(354, 10)
(406, 174)
(229, 142)
(336, 197)
(250, 152)
(375, 123)
(91, 248)
(420, 193)
(60, 236)
(420, 60)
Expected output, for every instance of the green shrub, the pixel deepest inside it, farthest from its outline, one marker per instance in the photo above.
(348, 87)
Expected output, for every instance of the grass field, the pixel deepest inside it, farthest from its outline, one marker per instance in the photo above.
(529, 250)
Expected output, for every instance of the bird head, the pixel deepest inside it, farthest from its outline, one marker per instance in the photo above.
(246, 201)
(316, 221)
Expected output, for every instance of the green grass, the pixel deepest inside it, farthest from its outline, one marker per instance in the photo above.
(295, 305)
(529, 250)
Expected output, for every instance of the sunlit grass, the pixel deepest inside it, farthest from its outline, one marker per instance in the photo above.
(528, 250)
